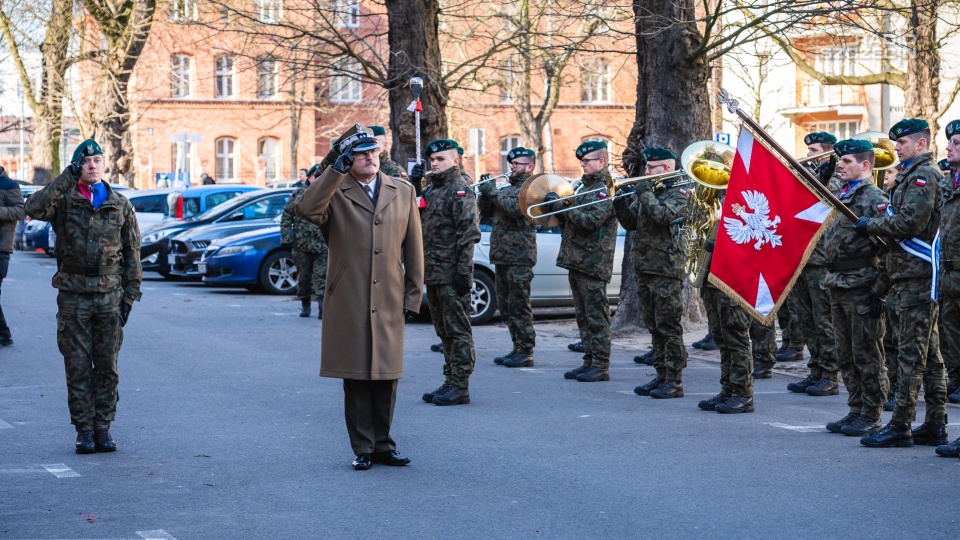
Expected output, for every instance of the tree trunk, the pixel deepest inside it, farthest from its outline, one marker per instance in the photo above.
(45, 149)
(112, 131)
(922, 91)
(673, 110)
(415, 52)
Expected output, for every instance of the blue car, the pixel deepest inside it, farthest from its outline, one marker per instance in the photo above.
(254, 259)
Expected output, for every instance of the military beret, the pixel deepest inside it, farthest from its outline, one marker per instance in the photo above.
(439, 145)
(313, 170)
(819, 137)
(590, 146)
(852, 146)
(657, 153)
(88, 147)
(520, 152)
(356, 139)
(944, 165)
(908, 126)
(377, 130)
(953, 128)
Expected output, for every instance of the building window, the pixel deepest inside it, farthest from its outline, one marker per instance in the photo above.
(182, 156)
(838, 61)
(226, 159)
(348, 13)
(842, 130)
(595, 82)
(345, 86)
(180, 11)
(180, 79)
(506, 145)
(224, 77)
(268, 149)
(266, 78)
(269, 11)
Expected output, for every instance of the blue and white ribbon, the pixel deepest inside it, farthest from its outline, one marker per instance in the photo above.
(929, 252)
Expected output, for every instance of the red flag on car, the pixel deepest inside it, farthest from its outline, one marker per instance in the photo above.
(770, 223)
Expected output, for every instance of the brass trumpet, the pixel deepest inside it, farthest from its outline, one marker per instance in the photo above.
(493, 179)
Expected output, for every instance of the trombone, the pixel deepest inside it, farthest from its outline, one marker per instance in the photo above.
(492, 179)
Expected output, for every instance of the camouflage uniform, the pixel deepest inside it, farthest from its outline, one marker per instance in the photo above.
(98, 259)
(513, 249)
(763, 343)
(587, 245)
(853, 267)
(914, 212)
(450, 230)
(950, 282)
(787, 320)
(730, 330)
(309, 249)
(659, 269)
(390, 167)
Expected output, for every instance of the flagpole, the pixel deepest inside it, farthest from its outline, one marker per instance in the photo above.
(734, 106)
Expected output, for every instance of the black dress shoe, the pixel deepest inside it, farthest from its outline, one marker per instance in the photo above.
(645, 389)
(893, 435)
(103, 441)
(574, 373)
(862, 426)
(85, 444)
(762, 372)
(576, 347)
(668, 390)
(931, 434)
(800, 387)
(520, 360)
(790, 354)
(362, 463)
(949, 450)
(642, 359)
(453, 396)
(735, 405)
(837, 427)
(392, 458)
(428, 397)
(711, 404)
(824, 387)
(594, 374)
(437, 347)
(501, 359)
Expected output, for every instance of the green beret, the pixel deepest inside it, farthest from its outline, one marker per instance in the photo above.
(953, 128)
(944, 165)
(377, 130)
(908, 126)
(819, 137)
(88, 147)
(590, 146)
(657, 153)
(313, 170)
(852, 146)
(440, 145)
(520, 152)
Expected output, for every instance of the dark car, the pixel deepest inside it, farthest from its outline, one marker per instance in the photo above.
(155, 255)
(26, 190)
(255, 260)
(187, 247)
(36, 235)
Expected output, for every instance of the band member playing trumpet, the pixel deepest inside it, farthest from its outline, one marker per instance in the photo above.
(586, 249)
(513, 249)
(659, 267)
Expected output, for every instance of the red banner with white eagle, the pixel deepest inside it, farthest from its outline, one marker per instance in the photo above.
(770, 223)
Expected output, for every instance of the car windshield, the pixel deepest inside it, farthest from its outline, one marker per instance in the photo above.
(223, 207)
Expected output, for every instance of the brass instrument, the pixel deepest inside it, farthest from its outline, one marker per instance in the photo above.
(885, 156)
(535, 189)
(492, 179)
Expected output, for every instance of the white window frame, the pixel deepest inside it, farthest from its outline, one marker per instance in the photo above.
(838, 61)
(182, 11)
(267, 75)
(596, 82)
(348, 13)
(269, 11)
(507, 144)
(181, 76)
(226, 159)
(225, 76)
(272, 171)
(345, 84)
(842, 129)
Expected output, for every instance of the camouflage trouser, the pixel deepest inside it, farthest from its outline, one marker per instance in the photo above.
(763, 343)
(513, 298)
(789, 325)
(950, 337)
(816, 323)
(890, 349)
(861, 360)
(89, 336)
(593, 318)
(451, 320)
(918, 351)
(311, 274)
(661, 306)
(730, 330)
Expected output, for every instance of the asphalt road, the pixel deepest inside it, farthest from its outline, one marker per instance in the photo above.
(225, 431)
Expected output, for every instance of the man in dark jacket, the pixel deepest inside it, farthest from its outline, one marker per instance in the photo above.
(11, 211)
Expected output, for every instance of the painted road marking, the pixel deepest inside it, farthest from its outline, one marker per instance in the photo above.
(158, 534)
(60, 470)
(4, 425)
(801, 429)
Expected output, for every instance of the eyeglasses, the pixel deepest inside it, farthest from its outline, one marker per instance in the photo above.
(584, 161)
(519, 164)
(653, 167)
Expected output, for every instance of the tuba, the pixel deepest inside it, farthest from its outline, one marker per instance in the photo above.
(885, 156)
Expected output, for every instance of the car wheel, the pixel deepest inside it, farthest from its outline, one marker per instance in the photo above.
(483, 299)
(278, 273)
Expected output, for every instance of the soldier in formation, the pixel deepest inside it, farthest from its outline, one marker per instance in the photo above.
(387, 165)
(309, 250)
(950, 276)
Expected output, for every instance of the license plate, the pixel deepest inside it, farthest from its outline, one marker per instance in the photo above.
(171, 260)
(202, 268)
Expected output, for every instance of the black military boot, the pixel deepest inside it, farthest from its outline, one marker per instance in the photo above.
(800, 387)
(650, 360)
(893, 435)
(576, 347)
(642, 359)
(103, 441)
(824, 387)
(453, 396)
(437, 347)
(735, 405)
(501, 359)
(711, 404)
(668, 390)
(761, 371)
(305, 307)
(862, 426)
(837, 427)
(520, 360)
(574, 373)
(890, 404)
(931, 434)
(699, 343)
(85, 443)
(954, 397)
(645, 389)
(428, 397)
(594, 374)
(708, 343)
(783, 347)
(949, 450)
(790, 354)
(320, 308)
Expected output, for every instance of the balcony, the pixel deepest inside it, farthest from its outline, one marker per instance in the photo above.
(816, 97)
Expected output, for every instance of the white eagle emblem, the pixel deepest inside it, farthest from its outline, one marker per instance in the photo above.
(755, 226)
